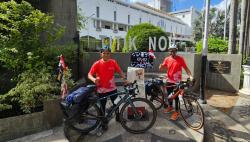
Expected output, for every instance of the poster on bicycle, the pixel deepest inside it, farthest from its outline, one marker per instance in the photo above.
(137, 74)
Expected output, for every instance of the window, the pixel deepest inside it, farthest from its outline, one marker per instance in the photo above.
(121, 29)
(97, 11)
(107, 27)
(128, 19)
(114, 15)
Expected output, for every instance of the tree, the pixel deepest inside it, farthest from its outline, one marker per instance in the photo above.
(141, 33)
(247, 32)
(216, 26)
(114, 45)
(24, 32)
(244, 5)
(233, 27)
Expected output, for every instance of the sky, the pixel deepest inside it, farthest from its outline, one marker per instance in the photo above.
(186, 4)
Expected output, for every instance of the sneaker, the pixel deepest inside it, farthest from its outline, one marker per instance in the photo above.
(168, 110)
(175, 115)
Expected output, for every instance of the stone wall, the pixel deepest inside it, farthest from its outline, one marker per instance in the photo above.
(19, 126)
(227, 82)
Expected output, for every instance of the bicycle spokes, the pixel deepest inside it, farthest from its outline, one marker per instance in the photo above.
(192, 113)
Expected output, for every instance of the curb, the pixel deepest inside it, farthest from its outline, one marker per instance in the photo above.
(33, 137)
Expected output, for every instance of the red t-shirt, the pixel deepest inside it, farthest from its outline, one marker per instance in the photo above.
(174, 68)
(105, 71)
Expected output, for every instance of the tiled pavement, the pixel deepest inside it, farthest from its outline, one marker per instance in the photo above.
(227, 118)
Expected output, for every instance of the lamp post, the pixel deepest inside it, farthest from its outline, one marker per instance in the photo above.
(225, 21)
(204, 56)
(88, 25)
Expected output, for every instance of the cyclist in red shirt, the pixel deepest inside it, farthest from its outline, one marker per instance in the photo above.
(174, 64)
(104, 70)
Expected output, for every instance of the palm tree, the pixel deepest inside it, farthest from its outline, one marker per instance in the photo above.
(247, 32)
(233, 27)
(243, 22)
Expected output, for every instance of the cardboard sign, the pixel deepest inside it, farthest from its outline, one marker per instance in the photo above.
(141, 60)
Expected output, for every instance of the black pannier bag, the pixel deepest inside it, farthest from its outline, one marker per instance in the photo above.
(151, 88)
(77, 101)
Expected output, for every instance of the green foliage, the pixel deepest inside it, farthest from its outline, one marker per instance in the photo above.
(69, 51)
(31, 90)
(114, 45)
(216, 24)
(80, 20)
(215, 45)
(26, 38)
(142, 32)
(24, 31)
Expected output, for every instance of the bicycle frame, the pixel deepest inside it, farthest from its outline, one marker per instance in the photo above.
(127, 98)
(176, 94)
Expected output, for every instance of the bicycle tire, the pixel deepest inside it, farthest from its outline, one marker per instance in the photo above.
(156, 99)
(85, 117)
(125, 107)
(188, 109)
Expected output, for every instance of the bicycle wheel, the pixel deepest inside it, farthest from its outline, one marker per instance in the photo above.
(191, 112)
(87, 120)
(138, 115)
(156, 98)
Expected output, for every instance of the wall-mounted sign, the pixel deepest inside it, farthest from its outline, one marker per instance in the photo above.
(141, 60)
(222, 67)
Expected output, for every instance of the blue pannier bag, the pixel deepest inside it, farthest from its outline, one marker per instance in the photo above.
(78, 95)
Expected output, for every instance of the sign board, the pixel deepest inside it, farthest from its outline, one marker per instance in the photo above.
(141, 60)
(222, 67)
(138, 75)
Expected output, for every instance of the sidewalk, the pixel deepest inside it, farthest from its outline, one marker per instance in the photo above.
(227, 118)
(163, 130)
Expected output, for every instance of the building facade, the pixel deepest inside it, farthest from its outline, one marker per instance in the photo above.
(188, 16)
(109, 19)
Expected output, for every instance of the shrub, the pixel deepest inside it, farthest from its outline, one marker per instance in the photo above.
(114, 45)
(31, 90)
(142, 32)
(24, 31)
(215, 45)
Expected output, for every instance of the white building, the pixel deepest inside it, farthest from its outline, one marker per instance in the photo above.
(188, 16)
(108, 19)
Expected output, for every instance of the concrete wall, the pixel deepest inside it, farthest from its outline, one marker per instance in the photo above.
(64, 12)
(19, 126)
(228, 82)
(123, 59)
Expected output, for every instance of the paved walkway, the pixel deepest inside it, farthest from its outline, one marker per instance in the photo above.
(227, 118)
(163, 130)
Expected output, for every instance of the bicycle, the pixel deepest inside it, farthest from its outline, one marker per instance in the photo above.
(134, 113)
(82, 110)
(189, 108)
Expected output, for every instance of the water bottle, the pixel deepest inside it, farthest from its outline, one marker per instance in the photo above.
(181, 99)
(171, 95)
(116, 101)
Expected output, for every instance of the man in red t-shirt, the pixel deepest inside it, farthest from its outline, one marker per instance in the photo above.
(174, 65)
(104, 70)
